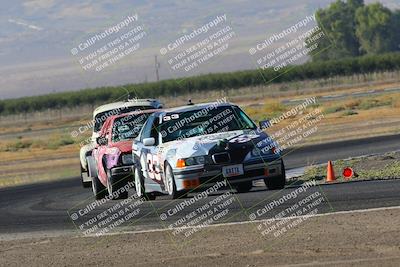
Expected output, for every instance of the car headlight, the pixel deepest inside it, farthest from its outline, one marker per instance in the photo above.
(191, 161)
(127, 159)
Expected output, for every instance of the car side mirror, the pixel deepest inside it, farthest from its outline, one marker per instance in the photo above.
(265, 124)
(102, 140)
(149, 141)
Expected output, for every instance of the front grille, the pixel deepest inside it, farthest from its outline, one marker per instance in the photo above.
(221, 158)
(218, 178)
(238, 155)
(239, 151)
(126, 159)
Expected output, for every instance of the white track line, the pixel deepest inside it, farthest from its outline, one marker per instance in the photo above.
(248, 222)
(339, 262)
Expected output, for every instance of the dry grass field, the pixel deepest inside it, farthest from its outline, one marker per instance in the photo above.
(38, 147)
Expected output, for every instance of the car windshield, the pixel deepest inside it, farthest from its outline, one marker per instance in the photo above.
(102, 117)
(208, 120)
(128, 127)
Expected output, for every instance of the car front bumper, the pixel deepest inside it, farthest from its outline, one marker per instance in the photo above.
(205, 176)
(122, 171)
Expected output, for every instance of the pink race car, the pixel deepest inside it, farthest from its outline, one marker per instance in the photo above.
(113, 155)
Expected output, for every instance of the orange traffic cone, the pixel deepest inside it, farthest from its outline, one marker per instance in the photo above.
(330, 174)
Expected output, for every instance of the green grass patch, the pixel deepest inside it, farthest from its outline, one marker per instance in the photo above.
(334, 109)
(54, 142)
(350, 112)
(351, 106)
(18, 145)
(370, 103)
(270, 109)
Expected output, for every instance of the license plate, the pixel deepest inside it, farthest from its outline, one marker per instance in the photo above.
(232, 170)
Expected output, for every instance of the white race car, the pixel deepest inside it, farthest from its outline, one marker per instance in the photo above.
(193, 147)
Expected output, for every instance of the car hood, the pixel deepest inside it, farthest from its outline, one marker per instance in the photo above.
(201, 145)
(123, 146)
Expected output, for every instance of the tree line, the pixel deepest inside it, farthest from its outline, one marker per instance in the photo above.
(355, 29)
(204, 83)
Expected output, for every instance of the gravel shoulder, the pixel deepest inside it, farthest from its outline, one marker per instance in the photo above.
(352, 239)
(369, 167)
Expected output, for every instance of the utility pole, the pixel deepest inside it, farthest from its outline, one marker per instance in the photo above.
(157, 66)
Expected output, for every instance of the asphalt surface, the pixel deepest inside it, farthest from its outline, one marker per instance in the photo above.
(50, 206)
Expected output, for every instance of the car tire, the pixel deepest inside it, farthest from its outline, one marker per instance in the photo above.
(278, 182)
(140, 187)
(99, 190)
(84, 184)
(244, 187)
(114, 184)
(171, 187)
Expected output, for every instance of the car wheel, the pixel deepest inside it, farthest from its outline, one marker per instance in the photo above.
(276, 182)
(99, 190)
(244, 187)
(115, 185)
(170, 185)
(139, 186)
(83, 172)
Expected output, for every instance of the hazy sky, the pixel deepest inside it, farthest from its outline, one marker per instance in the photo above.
(42, 42)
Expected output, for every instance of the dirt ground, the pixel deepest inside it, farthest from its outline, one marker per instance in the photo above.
(354, 239)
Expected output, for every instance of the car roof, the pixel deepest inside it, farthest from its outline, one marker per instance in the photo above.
(137, 112)
(187, 108)
(107, 122)
(129, 103)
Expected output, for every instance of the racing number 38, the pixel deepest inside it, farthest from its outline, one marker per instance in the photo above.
(153, 166)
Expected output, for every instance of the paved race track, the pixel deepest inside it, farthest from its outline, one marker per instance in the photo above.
(45, 206)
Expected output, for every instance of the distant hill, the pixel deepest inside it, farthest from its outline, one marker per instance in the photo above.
(36, 38)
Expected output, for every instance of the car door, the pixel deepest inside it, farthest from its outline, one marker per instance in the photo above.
(150, 159)
(137, 145)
